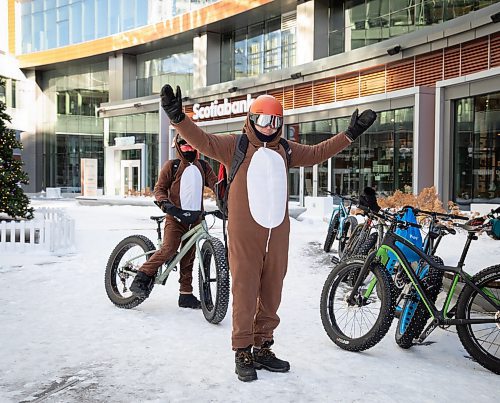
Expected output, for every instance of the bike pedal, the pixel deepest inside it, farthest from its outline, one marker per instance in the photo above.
(335, 260)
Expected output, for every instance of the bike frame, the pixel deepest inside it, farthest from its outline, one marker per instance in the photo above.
(192, 237)
(440, 317)
(343, 212)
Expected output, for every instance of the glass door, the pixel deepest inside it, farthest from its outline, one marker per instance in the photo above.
(130, 177)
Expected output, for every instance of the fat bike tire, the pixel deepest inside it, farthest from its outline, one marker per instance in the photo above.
(213, 280)
(333, 228)
(414, 315)
(116, 281)
(482, 341)
(357, 327)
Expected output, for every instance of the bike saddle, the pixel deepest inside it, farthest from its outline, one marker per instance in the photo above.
(444, 229)
(474, 225)
(157, 218)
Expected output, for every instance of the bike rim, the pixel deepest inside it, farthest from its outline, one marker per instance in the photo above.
(486, 336)
(352, 320)
(121, 281)
(210, 282)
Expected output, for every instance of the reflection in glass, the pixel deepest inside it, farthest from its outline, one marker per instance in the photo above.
(259, 48)
(357, 23)
(381, 158)
(476, 169)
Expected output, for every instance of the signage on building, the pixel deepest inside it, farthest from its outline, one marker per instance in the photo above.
(88, 176)
(223, 108)
(124, 141)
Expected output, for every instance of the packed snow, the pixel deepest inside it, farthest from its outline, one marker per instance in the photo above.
(62, 340)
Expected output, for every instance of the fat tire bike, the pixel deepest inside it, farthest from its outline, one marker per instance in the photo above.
(357, 317)
(213, 269)
(341, 224)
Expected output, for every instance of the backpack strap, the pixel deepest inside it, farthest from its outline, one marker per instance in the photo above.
(288, 151)
(239, 155)
(175, 167)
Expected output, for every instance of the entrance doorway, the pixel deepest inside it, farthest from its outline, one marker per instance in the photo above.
(130, 176)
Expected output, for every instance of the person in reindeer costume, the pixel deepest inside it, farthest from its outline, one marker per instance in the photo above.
(179, 193)
(258, 222)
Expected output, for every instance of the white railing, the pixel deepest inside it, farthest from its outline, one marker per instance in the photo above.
(50, 230)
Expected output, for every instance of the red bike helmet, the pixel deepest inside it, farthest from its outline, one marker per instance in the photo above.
(266, 111)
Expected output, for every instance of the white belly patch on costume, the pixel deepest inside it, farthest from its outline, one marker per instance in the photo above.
(191, 188)
(267, 187)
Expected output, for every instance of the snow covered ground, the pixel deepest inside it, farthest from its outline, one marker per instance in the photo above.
(62, 340)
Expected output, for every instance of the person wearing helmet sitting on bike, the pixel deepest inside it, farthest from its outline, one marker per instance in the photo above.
(179, 193)
(258, 222)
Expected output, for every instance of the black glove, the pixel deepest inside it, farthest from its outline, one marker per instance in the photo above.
(172, 104)
(359, 123)
(183, 216)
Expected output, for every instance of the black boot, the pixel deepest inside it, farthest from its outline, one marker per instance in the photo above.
(142, 285)
(263, 357)
(189, 301)
(244, 364)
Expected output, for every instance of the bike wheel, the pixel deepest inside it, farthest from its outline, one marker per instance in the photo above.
(414, 315)
(352, 242)
(214, 280)
(360, 325)
(332, 232)
(369, 243)
(350, 224)
(482, 341)
(116, 280)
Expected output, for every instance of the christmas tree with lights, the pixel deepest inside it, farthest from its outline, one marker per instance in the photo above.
(13, 201)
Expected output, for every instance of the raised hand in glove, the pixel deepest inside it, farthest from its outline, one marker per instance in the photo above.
(172, 104)
(359, 123)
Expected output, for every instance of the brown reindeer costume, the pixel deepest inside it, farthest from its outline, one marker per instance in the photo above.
(183, 190)
(259, 226)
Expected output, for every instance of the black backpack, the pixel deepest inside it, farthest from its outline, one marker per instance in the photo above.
(224, 180)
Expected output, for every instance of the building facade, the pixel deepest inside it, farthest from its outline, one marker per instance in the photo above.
(91, 72)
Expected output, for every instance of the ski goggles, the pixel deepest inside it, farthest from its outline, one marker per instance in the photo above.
(275, 122)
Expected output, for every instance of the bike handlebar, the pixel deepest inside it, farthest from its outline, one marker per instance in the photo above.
(348, 198)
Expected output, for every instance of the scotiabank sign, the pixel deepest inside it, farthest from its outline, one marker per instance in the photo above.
(223, 108)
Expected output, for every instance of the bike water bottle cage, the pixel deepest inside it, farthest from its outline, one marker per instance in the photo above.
(263, 120)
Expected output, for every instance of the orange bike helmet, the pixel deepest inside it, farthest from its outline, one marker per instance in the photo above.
(266, 105)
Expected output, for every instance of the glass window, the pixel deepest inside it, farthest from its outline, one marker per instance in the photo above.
(76, 22)
(363, 22)
(127, 14)
(141, 12)
(477, 149)
(102, 18)
(38, 32)
(3, 91)
(383, 159)
(26, 41)
(89, 20)
(51, 24)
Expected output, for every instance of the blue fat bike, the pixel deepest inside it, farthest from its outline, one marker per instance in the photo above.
(341, 224)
